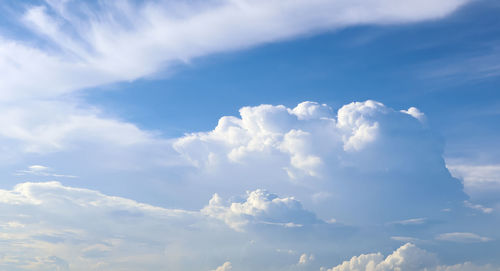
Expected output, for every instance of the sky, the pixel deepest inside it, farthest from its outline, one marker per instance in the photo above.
(250, 135)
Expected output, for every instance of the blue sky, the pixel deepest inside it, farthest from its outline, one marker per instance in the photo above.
(250, 135)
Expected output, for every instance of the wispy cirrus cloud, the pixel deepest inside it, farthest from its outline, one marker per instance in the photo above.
(73, 45)
(462, 237)
(39, 170)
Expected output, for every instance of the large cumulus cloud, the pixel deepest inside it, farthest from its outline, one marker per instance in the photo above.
(363, 159)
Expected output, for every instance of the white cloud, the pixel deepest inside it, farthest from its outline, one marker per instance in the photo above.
(49, 226)
(41, 128)
(326, 155)
(412, 221)
(90, 45)
(279, 130)
(405, 239)
(462, 237)
(38, 170)
(224, 267)
(51, 126)
(478, 207)
(305, 259)
(478, 179)
(365, 144)
(260, 207)
(467, 266)
(407, 257)
(52, 225)
(415, 112)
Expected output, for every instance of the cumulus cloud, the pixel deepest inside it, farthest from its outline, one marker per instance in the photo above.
(224, 267)
(363, 144)
(462, 237)
(294, 132)
(407, 257)
(85, 45)
(305, 259)
(330, 154)
(260, 207)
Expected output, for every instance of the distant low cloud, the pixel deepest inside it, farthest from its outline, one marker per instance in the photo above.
(478, 207)
(49, 226)
(407, 257)
(412, 221)
(224, 267)
(38, 170)
(462, 237)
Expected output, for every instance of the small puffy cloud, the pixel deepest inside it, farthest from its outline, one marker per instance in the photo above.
(260, 207)
(305, 259)
(224, 267)
(415, 112)
(462, 237)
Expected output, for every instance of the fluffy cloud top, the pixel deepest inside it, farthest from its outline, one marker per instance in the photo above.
(89, 44)
(407, 257)
(260, 207)
(308, 134)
